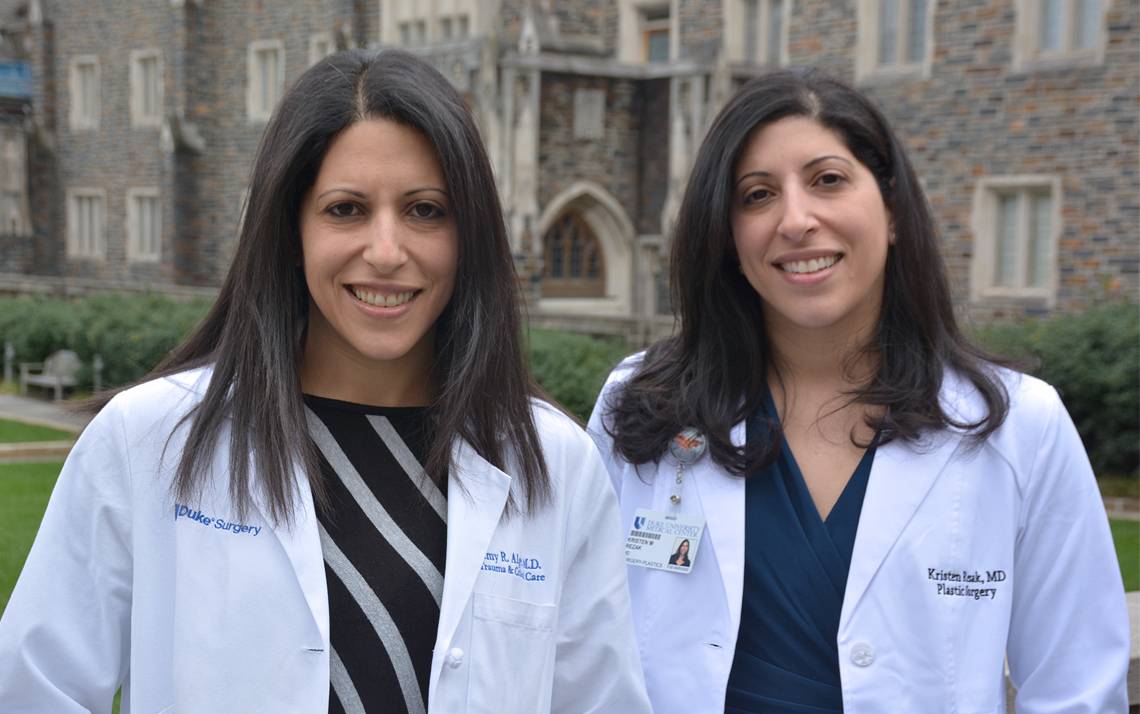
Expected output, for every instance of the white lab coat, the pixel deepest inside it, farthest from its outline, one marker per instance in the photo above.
(192, 617)
(1024, 503)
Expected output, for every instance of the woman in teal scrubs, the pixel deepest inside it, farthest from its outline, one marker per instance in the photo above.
(880, 504)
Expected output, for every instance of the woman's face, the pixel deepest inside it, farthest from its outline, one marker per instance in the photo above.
(380, 250)
(684, 549)
(810, 228)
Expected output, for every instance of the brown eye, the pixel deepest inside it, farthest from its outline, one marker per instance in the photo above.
(831, 180)
(756, 195)
(343, 209)
(427, 211)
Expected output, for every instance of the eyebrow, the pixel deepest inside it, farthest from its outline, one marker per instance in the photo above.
(808, 165)
(358, 194)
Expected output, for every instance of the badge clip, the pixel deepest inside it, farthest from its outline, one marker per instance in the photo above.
(687, 447)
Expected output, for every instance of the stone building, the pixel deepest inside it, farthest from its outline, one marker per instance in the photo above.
(1021, 116)
(15, 124)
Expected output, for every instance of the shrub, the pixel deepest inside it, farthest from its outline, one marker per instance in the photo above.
(132, 333)
(572, 367)
(1093, 360)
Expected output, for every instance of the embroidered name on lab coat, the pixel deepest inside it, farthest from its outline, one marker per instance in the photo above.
(202, 519)
(961, 583)
(528, 569)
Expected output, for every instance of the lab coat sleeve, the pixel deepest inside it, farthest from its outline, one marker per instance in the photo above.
(597, 667)
(1069, 638)
(598, 421)
(64, 636)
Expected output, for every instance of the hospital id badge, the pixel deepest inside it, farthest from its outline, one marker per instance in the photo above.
(664, 541)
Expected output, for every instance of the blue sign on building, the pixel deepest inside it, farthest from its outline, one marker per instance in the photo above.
(15, 80)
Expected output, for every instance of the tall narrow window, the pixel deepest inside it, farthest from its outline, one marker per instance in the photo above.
(144, 225)
(774, 36)
(1065, 30)
(655, 27)
(901, 31)
(1015, 233)
(759, 24)
(574, 265)
(146, 88)
(86, 219)
(84, 94)
(321, 45)
(266, 80)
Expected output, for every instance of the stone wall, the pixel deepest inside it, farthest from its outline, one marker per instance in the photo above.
(702, 29)
(975, 117)
(653, 168)
(611, 162)
(970, 118)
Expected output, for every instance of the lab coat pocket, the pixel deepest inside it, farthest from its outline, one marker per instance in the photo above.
(512, 655)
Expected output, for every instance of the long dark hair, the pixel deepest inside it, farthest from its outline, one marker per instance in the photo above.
(253, 335)
(714, 372)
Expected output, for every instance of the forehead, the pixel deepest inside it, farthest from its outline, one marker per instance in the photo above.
(373, 147)
(793, 141)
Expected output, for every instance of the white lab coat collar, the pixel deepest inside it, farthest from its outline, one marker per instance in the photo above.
(478, 494)
(901, 476)
(722, 494)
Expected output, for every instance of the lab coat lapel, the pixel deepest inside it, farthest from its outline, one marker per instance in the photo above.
(901, 477)
(302, 545)
(476, 496)
(722, 502)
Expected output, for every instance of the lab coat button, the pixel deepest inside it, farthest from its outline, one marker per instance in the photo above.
(862, 654)
(454, 657)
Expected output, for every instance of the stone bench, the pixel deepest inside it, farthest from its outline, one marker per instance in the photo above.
(58, 372)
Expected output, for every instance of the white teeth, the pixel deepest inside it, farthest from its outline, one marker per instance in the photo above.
(392, 300)
(810, 266)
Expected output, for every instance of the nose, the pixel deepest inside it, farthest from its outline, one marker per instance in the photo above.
(798, 220)
(385, 250)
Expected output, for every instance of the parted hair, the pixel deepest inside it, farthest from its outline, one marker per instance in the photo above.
(713, 373)
(253, 335)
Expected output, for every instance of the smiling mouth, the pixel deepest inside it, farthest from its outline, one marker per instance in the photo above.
(801, 267)
(380, 299)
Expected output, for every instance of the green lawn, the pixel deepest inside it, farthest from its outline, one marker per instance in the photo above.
(17, 432)
(1126, 534)
(24, 491)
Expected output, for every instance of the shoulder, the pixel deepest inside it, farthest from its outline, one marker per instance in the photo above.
(557, 431)
(618, 377)
(626, 369)
(157, 402)
(1033, 403)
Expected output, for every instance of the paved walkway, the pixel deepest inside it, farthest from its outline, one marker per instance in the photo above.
(42, 412)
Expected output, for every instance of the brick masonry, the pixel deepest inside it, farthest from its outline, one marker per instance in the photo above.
(973, 116)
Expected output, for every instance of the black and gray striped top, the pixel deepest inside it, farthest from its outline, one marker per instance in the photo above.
(384, 542)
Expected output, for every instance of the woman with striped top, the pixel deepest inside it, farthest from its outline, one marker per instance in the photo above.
(343, 492)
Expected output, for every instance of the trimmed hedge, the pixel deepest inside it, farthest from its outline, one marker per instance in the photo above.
(1093, 360)
(132, 333)
(572, 367)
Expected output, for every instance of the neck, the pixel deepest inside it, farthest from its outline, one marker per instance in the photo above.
(348, 377)
(820, 358)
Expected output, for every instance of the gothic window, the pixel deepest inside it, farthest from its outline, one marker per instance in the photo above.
(574, 265)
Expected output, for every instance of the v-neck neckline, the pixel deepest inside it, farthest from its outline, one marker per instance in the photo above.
(803, 492)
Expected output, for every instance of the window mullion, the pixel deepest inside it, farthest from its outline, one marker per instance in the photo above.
(902, 33)
(1021, 254)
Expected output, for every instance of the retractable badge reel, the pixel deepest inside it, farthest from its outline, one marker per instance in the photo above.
(669, 541)
(687, 448)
